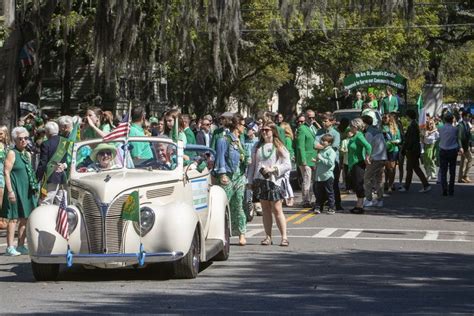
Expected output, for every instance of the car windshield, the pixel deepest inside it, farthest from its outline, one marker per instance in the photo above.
(105, 156)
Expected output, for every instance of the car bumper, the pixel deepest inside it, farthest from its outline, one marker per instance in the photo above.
(126, 258)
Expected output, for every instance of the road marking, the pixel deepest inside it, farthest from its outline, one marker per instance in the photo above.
(374, 238)
(431, 235)
(304, 218)
(326, 232)
(297, 214)
(460, 236)
(253, 232)
(353, 233)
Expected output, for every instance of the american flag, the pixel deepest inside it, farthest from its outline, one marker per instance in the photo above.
(62, 226)
(121, 129)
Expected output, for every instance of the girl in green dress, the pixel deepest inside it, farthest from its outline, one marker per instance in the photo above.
(22, 188)
(4, 141)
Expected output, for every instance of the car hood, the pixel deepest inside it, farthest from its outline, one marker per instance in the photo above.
(106, 185)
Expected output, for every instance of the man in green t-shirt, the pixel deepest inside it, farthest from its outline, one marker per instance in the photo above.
(140, 150)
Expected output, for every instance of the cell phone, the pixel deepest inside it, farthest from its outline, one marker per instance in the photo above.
(264, 173)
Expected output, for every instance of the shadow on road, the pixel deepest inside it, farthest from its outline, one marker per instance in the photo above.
(431, 205)
(343, 283)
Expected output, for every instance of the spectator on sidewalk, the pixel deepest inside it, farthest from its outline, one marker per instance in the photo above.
(429, 140)
(359, 151)
(464, 135)
(305, 154)
(324, 179)
(327, 128)
(392, 139)
(449, 147)
(373, 176)
(412, 151)
(22, 188)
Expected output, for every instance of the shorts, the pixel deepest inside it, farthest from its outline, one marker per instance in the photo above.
(393, 156)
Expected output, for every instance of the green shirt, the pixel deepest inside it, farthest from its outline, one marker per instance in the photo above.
(140, 150)
(358, 104)
(358, 149)
(326, 161)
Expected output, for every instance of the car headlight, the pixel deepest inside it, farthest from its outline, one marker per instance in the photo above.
(72, 219)
(147, 220)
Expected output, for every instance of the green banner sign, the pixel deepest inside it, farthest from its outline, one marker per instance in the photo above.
(375, 77)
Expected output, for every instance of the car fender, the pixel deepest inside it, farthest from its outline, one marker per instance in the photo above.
(173, 230)
(219, 206)
(43, 239)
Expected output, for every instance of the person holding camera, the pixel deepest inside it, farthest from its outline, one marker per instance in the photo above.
(266, 173)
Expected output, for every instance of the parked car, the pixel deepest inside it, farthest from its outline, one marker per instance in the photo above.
(184, 219)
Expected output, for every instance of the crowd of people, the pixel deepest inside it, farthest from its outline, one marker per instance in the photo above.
(255, 157)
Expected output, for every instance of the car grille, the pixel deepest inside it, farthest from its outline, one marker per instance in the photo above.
(93, 219)
(114, 225)
(150, 194)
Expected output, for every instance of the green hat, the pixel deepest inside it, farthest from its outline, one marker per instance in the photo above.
(101, 147)
(153, 120)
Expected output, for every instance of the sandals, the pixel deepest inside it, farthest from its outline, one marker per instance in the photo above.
(267, 241)
(284, 243)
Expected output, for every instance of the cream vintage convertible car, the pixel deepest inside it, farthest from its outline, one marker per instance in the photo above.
(184, 219)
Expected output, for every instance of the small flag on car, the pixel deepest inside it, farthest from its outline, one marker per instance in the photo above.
(121, 130)
(131, 207)
(62, 225)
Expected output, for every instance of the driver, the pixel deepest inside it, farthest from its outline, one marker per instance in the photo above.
(104, 157)
(164, 154)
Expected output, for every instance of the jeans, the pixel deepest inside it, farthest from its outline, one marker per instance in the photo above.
(448, 161)
(324, 190)
(413, 164)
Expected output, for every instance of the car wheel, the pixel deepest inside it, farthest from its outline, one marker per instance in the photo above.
(224, 254)
(188, 266)
(45, 272)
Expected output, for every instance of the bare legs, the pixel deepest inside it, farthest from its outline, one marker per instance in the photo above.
(21, 231)
(274, 208)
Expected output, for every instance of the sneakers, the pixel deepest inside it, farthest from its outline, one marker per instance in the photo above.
(316, 211)
(22, 250)
(402, 189)
(331, 211)
(368, 203)
(11, 251)
(425, 189)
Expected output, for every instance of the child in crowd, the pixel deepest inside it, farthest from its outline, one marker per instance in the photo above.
(324, 184)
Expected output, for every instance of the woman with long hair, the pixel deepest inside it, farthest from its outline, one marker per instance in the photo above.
(94, 128)
(289, 197)
(392, 137)
(175, 132)
(270, 163)
(430, 138)
(229, 156)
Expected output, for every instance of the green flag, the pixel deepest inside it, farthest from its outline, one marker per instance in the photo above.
(175, 130)
(419, 103)
(131, 207)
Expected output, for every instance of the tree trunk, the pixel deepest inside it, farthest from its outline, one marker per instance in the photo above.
(9, 79)
(66, 83)
(288, 96)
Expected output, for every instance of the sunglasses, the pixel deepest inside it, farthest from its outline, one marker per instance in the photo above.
(205, 124)
(105, 153)
(312, 117)
(266, 130)
(300, 122)
(22, 138)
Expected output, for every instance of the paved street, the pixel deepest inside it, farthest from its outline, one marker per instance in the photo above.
(413, 256)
